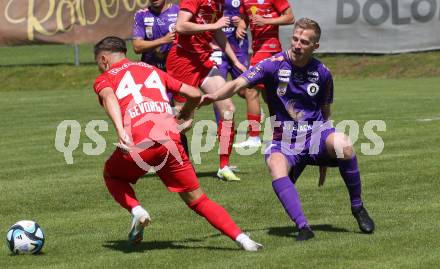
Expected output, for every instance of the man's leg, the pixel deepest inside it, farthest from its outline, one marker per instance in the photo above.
(180, 177)
(118, 174)
(339, 147)
(218, 217)
(287, 194)
(252, 97)
(225, 130)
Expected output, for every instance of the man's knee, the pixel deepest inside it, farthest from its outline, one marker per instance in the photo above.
(227, 111)
(277, 165)
(343, 147)
(192, 197)
(252, 93)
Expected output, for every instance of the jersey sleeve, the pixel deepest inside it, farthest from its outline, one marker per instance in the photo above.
(281, 5)
(171, 84)
(138, 31)
(327, 93)
(256, 74)
(189, 5)
(101, 83)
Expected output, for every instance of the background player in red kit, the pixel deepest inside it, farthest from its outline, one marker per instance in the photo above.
(198, 24)
(264, 18)
(134, 96)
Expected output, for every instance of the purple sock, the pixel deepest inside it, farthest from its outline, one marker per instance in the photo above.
(352, 178)
(289, 198)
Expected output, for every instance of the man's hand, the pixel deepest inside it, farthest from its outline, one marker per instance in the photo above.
(240, 66)
(207, 99)
(322, 175)
(124, 142)
(235, 20)
(258, 20)
(168, 38)
(222, 22)
(184, 125)
(240, 33)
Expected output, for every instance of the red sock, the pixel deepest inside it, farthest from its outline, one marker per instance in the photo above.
(254, 124)
(216, 215)
(122, 192)
(225, 134)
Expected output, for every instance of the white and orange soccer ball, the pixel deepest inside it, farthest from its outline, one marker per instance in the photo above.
(25, 237)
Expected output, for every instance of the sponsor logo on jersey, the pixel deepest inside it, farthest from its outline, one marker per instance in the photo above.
(281, 91)
(284, 72)
(172, 27)
(312, 89)
(149, 31)
(160, 21)
(148, 19)
(172, 15)
(282, 87)
(260, 2)
(228, 29)
(313, 76)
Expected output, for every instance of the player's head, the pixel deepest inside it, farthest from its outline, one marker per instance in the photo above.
(156, 5)
(305, 40)
(108, 51)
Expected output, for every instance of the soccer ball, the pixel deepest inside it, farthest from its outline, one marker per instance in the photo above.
(25, 236)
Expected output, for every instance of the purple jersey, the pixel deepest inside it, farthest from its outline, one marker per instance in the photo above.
(150, 26)
(233, 8)
(294, 95)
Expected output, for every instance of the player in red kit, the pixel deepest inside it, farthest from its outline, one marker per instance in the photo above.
(264, 18)
(134, 96)
(198, 24)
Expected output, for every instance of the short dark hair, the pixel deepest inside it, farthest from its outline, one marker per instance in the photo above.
(111, 44)
(306, 23)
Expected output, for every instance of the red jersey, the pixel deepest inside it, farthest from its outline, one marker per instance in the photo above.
(204, 12)
(141, 90)
(265, 38)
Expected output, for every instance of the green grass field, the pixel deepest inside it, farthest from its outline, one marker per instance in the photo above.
(85, 228)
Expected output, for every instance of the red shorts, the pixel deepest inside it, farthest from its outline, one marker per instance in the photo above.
(177, 177)
(258, 57)
(190, 68)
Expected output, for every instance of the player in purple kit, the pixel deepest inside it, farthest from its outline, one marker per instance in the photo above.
(233, 9)
(154, 31)
(299, 95)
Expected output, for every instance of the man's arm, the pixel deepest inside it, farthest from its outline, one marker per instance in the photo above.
(226, 91)
(242, 26)
(184, 25)
(223, 43)
(193, 97)
(286, 18)
(141, 46)
(112, 108)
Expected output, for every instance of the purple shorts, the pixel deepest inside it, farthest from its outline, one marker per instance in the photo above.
(227, 67)
(309, 151)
